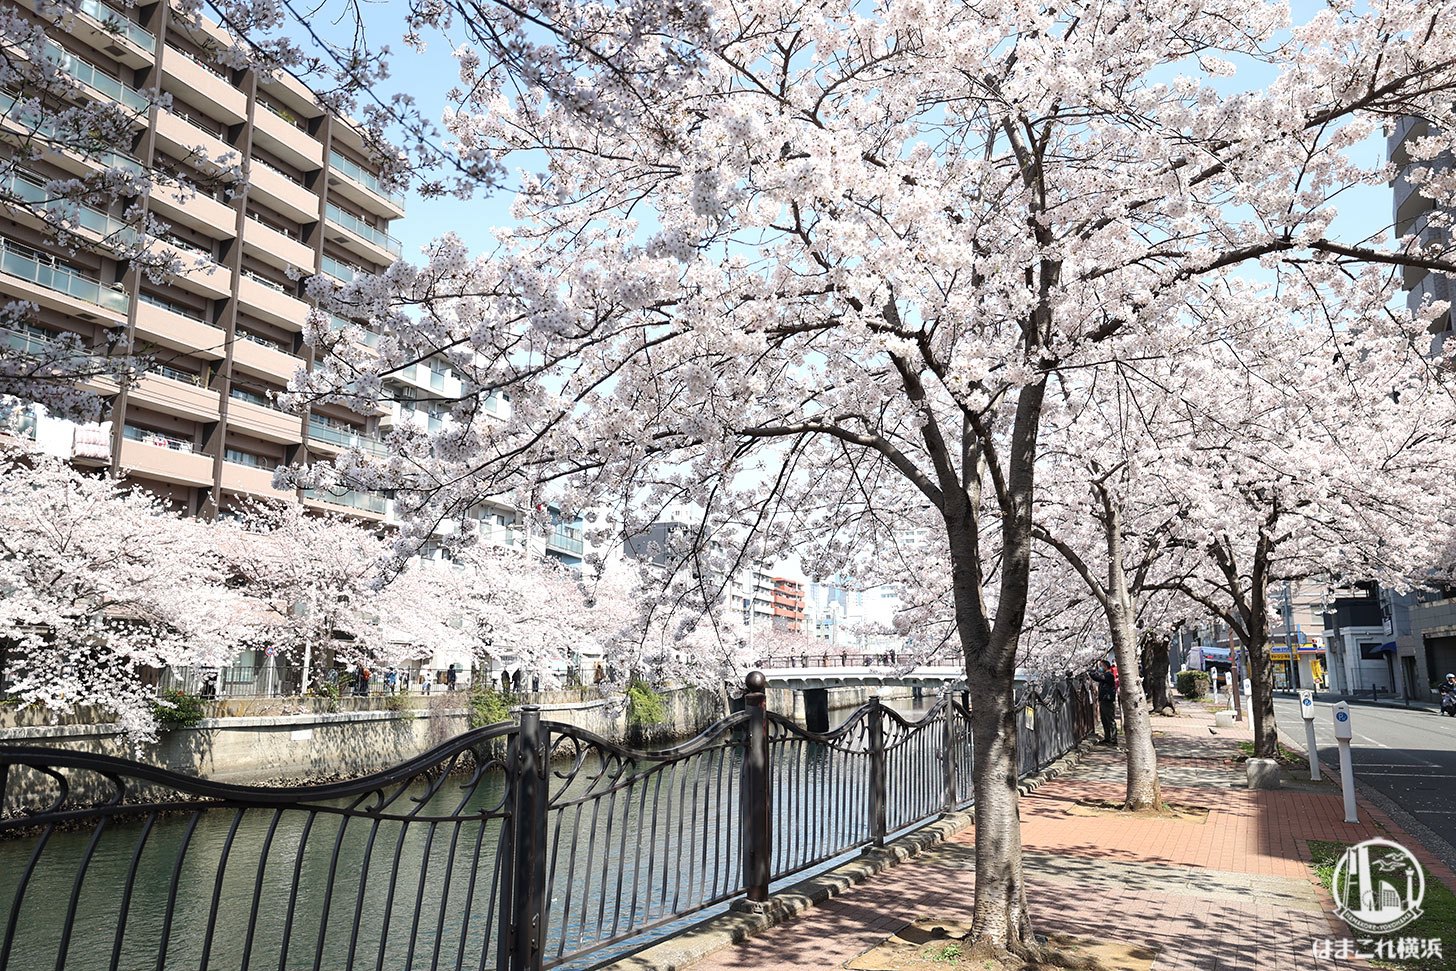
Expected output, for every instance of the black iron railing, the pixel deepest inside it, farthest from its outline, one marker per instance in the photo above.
(528, 844)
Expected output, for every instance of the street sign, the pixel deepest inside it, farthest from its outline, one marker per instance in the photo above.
(1306, 705)
(1343, 728)
(270, 650)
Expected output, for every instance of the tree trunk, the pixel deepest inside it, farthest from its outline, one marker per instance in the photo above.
(1001, 918)
(1156, 662)
(1137, 725)
(1261, 673)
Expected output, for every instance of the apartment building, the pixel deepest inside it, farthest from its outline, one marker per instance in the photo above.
(1416, 645)
(200, 426)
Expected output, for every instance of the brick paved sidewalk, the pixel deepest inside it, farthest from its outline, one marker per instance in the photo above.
(1227, 892)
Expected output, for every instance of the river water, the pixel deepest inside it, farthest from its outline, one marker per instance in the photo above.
(338, 892)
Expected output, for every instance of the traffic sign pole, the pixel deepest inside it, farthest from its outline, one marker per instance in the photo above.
(1306, 711)
(1344, 731)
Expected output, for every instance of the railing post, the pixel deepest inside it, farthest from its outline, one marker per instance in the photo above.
(523, 898)
(947, 754)
(757, 801)
(876, 722)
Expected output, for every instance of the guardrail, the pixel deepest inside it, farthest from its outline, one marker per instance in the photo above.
(523, 845)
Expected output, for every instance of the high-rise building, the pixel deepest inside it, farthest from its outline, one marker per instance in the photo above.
(1414, 214)
(200, 426)
(1417, 643)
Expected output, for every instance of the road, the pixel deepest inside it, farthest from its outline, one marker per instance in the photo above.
(1408, 756)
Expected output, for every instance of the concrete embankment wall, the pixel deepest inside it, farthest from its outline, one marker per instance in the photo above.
(320, 746)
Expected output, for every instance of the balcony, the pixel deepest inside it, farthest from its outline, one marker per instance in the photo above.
(97, 80)
(284, 138)
(101, 27)
(282, 193)
(346, 500)
(199, 272)
(104, 226)
(68, 152)
(360, 185)
(263, 422)
(363, 239)
(182, 137)
(264, 358)
(339, 271)
(181, 330)
(182, 73)
(195, 210)
(152, 456)
(65, 287)
(276, 247)
(251, 480)
(269, 301)
(565, 539)
(176, 393)
(338, 437)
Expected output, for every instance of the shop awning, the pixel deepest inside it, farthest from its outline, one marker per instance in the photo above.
(1387, 648)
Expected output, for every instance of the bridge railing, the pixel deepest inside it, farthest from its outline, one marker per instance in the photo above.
(523, 845)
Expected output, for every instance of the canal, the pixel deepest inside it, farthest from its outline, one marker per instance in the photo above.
(287, 889)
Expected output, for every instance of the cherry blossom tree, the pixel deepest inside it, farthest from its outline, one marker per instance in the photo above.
(310, 579)
(770, 254)
(1328, 453)
(101, 583)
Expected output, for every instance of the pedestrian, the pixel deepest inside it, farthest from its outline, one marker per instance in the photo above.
(426, 682)
(391, 679)
(1106, 700)
(450, 677)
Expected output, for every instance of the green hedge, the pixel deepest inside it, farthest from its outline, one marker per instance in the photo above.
(645, 706)
(1192, 684)
(178, 709)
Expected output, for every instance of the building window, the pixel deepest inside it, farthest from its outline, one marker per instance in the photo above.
(1370, 651)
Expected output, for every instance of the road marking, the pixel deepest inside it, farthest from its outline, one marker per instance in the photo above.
(1409, 775)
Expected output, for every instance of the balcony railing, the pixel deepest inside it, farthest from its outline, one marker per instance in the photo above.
(344, 436)
(357, 226)
(247, 458)
(565, 540)
(285, 115)
(26, 341)
(270, 284)
(252, 338)
(363, 177)
(171, 307)
(21, 187)
(342, 272)
(148, 437)
(167, 371)
(367, 501)
(28, 119)
(44, 271)
(96, 79)
(114, 21)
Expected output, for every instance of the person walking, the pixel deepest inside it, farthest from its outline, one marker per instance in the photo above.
(450, 678)
(1106, 680)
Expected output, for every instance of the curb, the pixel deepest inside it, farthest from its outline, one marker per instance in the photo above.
(745, 920)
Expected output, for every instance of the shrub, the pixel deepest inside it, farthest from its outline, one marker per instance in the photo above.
(178, 709)
(396, 703)
(1192, 684)
(644, 706)
(488, 706)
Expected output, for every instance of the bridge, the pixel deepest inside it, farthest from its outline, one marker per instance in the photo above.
(918, 676)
